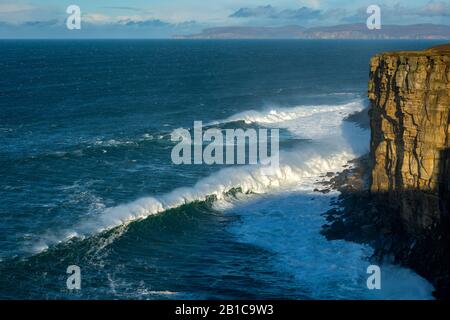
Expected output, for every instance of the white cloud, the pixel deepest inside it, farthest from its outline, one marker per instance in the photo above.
(20, 12)
(99, 19)
(435, 9)
(14, 7)
(96, 18)
(315, 4)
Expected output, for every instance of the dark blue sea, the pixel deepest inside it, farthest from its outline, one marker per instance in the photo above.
(86, 176)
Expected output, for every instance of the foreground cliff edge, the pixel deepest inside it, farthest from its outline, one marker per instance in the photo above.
(403, 209)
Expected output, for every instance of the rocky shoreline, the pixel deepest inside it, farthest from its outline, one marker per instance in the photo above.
(353, 218)
(356, 217)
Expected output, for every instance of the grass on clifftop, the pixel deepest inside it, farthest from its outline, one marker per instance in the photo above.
(443, 49)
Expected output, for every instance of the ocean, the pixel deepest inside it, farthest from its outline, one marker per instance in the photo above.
(87, 177)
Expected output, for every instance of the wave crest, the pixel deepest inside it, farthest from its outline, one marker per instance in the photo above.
(295, 166)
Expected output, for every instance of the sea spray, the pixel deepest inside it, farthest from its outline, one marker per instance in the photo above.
(332, 150)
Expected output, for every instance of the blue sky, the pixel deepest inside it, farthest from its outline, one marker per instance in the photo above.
(165, 18)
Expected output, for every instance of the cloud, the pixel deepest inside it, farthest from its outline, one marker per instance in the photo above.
(433, 9)
(152, 23)
(270, 12)
(96, 18)
(261, 11)
(396, 12)
(103, 20)
(99, 26)
(392, 14)
(124, 8)
(127, 21)
(142, 21)
(20, 12)
(41, 24)
(304, 13)
(315, 4)
(140, 11)
(14, 7)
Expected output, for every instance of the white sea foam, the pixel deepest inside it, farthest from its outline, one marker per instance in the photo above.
(311, 161)
(284, 224)
(249, 179)
(280, 115)
(288, 224)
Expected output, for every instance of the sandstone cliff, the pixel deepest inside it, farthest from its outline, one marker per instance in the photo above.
(409, 96)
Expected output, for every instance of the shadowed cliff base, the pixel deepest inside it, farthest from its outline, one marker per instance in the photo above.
(360, 118)
(364, 217)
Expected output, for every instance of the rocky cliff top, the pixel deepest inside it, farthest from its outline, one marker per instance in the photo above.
(442, 49)
(439, 50)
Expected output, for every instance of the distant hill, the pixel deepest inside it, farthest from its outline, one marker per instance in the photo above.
(345, 31)
(248, 33)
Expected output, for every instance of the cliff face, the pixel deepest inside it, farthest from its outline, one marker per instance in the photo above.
(410, 176)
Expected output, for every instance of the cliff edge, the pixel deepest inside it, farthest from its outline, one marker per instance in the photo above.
(409, 184)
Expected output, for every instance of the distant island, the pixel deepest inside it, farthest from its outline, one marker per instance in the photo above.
(345, 31)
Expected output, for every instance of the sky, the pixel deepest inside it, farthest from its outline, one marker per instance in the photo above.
(168, 18)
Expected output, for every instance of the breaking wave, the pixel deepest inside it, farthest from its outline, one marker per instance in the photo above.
(298, 164)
